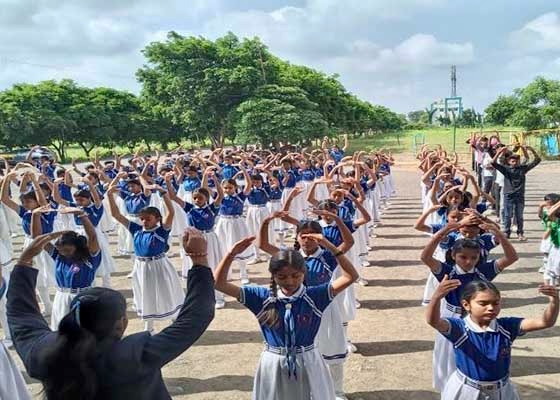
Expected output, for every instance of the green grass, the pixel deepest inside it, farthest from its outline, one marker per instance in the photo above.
(403, 141)
(396, 142)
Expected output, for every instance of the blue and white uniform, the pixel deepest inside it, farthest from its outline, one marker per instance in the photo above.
(275, 204)
(42, 261)
(232, 227)
(203, 219)
(156, 288)
(71, 278)
(347, 299)
(190, 184)
(95, 215)
(443, 357)
(256, 213)
(291, 367)
(331, 339)
(483, 358)
(64, 222)
(131, 205)
(296, 208)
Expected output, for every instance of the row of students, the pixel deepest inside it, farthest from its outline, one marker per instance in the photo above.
(151, 235)
(472, 354)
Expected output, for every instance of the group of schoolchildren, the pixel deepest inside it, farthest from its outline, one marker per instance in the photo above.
(248, 205)
(472, 353)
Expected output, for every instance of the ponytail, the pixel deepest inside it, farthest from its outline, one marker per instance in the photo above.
(269, 316)
(70, 362)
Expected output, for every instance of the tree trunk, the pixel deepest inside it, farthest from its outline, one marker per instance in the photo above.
(60, 150)
(86, 149)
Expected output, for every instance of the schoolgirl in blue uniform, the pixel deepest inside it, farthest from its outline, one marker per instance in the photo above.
(466, 267)
(231, 226)
(157, 291)
(202, 216)
(134, 198)
(289, 313)
(274, 191)
(63, 222)
(288, 179)
(482, 342)
(257, 211)
(31, 201)
(321, 265)
(190, 182)
(321, 171)
(76, 259)
(90, 202)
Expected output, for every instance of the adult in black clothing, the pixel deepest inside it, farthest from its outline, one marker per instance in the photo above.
(514, 186)
(88, 358)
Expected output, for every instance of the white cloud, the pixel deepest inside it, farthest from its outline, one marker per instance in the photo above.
(417, 53)
(540, 34)
(524, 64)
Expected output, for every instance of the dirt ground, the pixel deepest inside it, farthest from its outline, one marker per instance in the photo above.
(394, 343)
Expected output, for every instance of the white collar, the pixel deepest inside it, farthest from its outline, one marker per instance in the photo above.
(151, 230)
(461, 271)
(296, 294)
(316, 254)
(473, 326)
(325, 224)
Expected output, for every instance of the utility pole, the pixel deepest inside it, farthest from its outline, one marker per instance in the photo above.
(453, 81)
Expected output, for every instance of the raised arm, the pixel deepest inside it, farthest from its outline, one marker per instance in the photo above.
(420, 224)
(5, 192)
(433, 315)
(346, 142)
(167, 220)
(115, 212)
(93, 244)
(221, 272)
(510, 255)
(196, 313)
(427, 255)
(311, 199)
(30, 332)
(536, 159)
(349, 273)
(550, 315)
(263, 241)
(293, 194)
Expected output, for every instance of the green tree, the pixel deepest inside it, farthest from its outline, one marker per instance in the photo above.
(538, 105)
(198, 84)
(418, 116)
(501, 110)
(278, 113)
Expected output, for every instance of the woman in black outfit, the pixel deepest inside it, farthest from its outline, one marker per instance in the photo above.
(88, 358)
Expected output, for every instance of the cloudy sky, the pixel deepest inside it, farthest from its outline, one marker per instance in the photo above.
(392, 52)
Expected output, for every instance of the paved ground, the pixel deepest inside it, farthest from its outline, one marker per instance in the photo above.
(394, 343)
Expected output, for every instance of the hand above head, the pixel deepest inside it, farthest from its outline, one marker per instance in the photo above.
(550, 291)
(445, 286)
(242, 245)
(26, 257)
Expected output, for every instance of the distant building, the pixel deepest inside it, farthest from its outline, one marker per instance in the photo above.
(450, 107)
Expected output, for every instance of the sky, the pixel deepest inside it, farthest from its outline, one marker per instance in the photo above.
(396, 53)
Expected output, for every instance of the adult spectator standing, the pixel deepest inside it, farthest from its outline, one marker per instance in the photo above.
(514, 186)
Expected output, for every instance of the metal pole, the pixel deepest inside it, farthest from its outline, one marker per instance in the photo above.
(454, 133)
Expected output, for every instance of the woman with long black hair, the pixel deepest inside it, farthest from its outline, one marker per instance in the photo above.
(88, 358)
